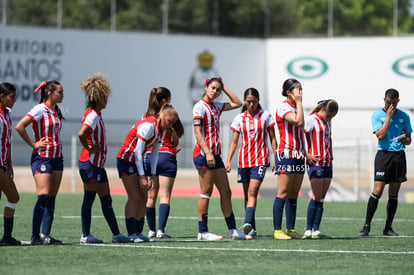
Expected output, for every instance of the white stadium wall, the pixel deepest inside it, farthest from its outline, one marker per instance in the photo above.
(354, 71)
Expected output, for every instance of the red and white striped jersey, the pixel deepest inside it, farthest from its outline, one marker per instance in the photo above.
(253, 132)
(97, 136)
(209, 113)
(5, 135)
(318, 137)
(146, 130)
(46, 123)
(292, 140)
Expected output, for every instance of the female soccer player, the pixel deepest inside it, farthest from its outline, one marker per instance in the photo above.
(166, 166)
(254, 125)
(318, 132)
(289, 159)
(130, 162)
(207, 158)
(7, 186)
(92, 136)
(47, 160)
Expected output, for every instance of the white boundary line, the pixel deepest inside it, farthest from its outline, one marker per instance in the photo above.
(258, 249)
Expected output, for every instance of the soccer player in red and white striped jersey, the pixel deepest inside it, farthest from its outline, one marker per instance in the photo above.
(47, 159)
(145, 134)
(289, 159)
(207, 158)
(7, 185)
(92, 136)
(253, 125)
(318, 132)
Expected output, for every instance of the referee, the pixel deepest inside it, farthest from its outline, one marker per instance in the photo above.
(393, 129)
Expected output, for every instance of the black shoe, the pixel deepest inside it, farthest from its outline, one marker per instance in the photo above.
(9, 240)
(46, 240)
(36, 240)
(365, 231)
(389, 232)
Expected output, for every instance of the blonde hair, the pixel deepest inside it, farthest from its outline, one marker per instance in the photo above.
(96, 89)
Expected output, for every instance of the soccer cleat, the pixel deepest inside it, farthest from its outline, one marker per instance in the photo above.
(319, 235)
(36, 240)
(365, 231)
(307, 234)
(389, 232)
(9, 240)
(293, 234)
(252, 233)
(280, 235)
(120, 238)
(235, 234)
(47, 240)
(162, 235)
(151, 234)
(246, 228)
(144, 238)
(207, 236)
(90, 239)
(134, 238)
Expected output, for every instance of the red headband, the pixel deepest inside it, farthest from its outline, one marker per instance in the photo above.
(207, 80)
(41, 85)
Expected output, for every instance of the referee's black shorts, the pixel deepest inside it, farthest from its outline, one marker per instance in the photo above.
(390, 166)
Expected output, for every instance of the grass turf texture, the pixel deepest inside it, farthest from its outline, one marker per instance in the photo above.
(346, 253)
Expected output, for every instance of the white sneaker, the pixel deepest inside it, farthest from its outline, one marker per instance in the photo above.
(90, 239)
(235, 234)
(151, 234)
(246, 228)
(207, 236)
(307, 234)
(162, 235)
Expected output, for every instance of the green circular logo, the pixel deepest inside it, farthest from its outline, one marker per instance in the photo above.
(404, 66)
(307, 67)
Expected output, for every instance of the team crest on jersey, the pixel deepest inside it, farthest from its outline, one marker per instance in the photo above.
(43, 168)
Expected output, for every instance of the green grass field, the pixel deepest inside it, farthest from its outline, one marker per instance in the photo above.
(346, 253)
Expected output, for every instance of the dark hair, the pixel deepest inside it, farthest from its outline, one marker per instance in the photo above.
(177, 126)
(253, 92)
(7, 88)
(47, 89)
(217, 79)
(392, 93)
(330, 106)
(155, 99)
(288, 85)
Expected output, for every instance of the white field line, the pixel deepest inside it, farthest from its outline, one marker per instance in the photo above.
(257, 218)
(257, 249)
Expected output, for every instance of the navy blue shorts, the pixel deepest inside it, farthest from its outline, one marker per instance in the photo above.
(319, 172)
(166, 166)
(41, 165)
(125, 168)
(286, 165)
(92, 174)
(200, 162)
(246, 174)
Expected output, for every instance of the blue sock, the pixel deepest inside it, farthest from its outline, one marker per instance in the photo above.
(254, 223)
(278, 206)
(109, 214)
(38, 212)
(163, 216)
(48, 216)
(231, 221)
(202, 225)
(140, 225)
(291, 205)
(249, 215)
(150, 214)
(86, 212)
(310, 217)
(131, 225)
(8, 226)
(318, 216)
